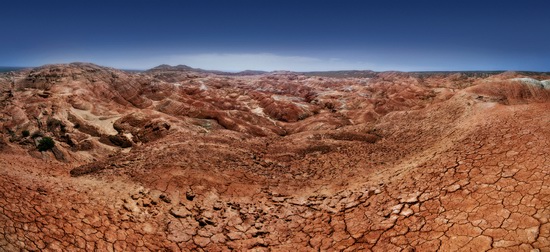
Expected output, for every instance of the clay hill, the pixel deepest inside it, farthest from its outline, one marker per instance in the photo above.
(174, 159)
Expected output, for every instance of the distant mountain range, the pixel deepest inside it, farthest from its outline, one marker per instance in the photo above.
(9, 69)
(165, 68)
(332, 74)
(185, 68)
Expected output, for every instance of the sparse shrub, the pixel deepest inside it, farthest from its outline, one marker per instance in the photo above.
(207, 125)
(53, 124)
(46, 143)
(13, 136)
(25, 133)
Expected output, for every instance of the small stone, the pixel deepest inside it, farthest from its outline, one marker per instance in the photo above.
(278, 199)
(147, 202)
(411, 198)
(208, 214)
(180, 212)
(453, 188)
(235, 235)
(201, 241)
(407, 212)
(218, 238)
(148, 228)
(352, 204)
(234, 220)
(511, 153)
(397, 208)
(507, 173)
(190, 195)
(218, 205)
(42, 191)
(154, 195)
(131, 206)
(165, 198)
(110, 236)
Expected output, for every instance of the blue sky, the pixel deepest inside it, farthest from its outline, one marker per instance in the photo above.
(280, 35)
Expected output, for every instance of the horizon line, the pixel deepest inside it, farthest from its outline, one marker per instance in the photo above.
(271, 71)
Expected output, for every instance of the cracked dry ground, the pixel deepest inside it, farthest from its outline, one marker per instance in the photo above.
(464, 175)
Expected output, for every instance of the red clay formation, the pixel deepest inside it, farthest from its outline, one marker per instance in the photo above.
(178, 160)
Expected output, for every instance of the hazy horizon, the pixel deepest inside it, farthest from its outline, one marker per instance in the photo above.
(16, 68)
(283, 35)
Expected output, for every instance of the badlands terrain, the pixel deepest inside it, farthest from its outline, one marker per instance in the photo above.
(182, 159)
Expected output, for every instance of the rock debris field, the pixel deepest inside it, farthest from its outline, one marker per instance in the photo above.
(173, 159)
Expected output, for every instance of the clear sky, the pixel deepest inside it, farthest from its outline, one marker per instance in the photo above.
(279, 34)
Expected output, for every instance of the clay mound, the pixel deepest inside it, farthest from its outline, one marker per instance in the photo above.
(512, 91)
(142, 127)
(172, 159)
